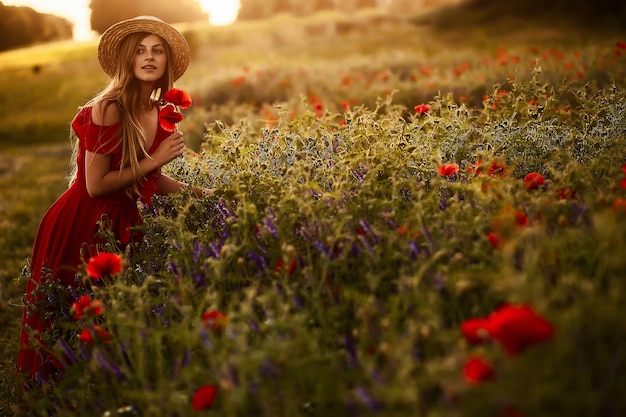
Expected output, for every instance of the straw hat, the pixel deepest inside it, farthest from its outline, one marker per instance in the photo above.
(111, 39)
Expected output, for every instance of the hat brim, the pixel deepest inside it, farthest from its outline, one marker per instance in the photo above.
(109, 46)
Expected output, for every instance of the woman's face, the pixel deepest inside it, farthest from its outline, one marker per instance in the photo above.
(150, 59)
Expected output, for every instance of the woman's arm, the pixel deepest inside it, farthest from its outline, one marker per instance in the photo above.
(99, 177)
(168, 185)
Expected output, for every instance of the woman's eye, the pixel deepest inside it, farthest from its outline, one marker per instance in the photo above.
(139, 51)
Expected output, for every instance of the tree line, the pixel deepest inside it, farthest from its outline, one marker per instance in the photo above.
(21, 26)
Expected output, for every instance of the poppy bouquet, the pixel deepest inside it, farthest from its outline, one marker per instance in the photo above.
(169, 114)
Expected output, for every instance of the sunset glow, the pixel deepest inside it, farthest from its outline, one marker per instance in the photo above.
(221, 12)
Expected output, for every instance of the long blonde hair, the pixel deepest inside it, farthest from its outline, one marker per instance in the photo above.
(123, 91)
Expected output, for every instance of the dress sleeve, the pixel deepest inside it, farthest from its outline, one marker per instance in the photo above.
(95, 138)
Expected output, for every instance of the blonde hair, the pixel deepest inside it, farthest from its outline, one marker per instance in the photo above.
(123, 91)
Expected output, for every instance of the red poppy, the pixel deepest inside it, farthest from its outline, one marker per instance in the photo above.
(564, 193)
(477, 370)
(214, 319)
(178, 97)
(402, 230)
(623, 183)
(494, 239)
(168, 117)
(87, 335)
(475, 168)
(447, 170)
(238, 81)
(619, 204)
(533, 181)
(280, 266)
(474, 330)
(497, 168)
(620, 45)
(517, 328)
(422, 109)
(521, 219)
(85, 305)
(104, 264)
(203, 397)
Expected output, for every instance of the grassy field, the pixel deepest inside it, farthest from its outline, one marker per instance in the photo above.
(280, 82)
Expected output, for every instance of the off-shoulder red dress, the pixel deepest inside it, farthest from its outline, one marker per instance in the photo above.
(67, 235)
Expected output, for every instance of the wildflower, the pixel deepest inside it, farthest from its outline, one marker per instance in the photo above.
(447, 170)
(178, 97)
(280, 266)
(402, 230)
(460, 69)
(474, 330)
(520, 219)
(104, 264)
(214, 319)
(86, 305)
(497, 168)
(619, 204)
(203, 397)
(168, 117)
(475, 168)
(494, 239)
(565, 193)
(87, 335)
(477, 370)
(421, 109)
(533, 181)
(620, 45)
(517, 328)
(236, 82)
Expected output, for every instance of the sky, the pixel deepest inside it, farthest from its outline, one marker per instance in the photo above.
(221, 12)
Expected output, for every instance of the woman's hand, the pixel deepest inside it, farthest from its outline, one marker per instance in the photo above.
(169, 149)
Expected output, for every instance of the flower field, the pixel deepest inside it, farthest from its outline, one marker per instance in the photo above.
(432, 235)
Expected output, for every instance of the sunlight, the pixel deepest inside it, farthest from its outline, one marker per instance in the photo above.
(221, 12)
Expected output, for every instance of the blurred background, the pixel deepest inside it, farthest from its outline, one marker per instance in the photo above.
(27, 22)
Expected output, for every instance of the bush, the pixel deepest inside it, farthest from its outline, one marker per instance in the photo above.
(331, 271)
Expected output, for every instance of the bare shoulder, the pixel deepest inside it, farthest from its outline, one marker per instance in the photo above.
(105, 113)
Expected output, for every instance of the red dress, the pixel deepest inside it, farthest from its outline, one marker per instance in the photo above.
(67, 234)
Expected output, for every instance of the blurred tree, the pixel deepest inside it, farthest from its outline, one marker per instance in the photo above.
(416, 6)
(262, 9)
(22, 26)
(104, 13)
(582, 10)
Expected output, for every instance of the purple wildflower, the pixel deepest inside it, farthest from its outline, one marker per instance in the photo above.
(197, 250)
(108, 365)
(67, 351)
(271, 227)
(366, 399)
(349, 344)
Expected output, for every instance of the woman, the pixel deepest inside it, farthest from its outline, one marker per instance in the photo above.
(118, 158)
